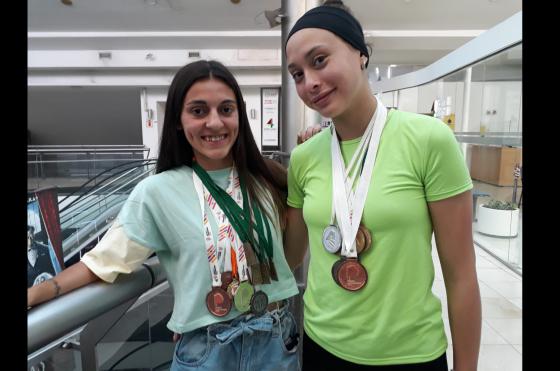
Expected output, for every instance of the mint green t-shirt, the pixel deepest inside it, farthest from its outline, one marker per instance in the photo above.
(395, 318)
(163, 214)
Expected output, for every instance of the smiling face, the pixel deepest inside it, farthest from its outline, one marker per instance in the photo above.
(210, 121)
(326, 71)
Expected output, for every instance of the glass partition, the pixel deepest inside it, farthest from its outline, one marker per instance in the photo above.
(482, 104)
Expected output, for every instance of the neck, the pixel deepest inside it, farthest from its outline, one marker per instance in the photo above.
(353, 122)
(215, 165)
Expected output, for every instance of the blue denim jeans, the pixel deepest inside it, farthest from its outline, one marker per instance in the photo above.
(246, 343)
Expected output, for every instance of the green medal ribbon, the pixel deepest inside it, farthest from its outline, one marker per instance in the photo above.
(240, 218)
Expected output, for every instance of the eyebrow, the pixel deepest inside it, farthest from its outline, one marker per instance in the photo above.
(308, 54)
(204, 102)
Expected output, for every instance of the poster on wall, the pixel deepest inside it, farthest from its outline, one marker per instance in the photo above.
(270, 119)
(44, 247)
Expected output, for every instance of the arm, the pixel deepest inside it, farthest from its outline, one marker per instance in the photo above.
(295, 237)
(451, 219)
(71, 278)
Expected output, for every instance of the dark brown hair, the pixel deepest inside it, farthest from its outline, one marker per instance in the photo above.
(259, 174)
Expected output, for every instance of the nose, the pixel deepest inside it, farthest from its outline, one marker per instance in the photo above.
(312, 82)
(214, 120)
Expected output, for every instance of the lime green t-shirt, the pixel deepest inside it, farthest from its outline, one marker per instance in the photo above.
(395, 318)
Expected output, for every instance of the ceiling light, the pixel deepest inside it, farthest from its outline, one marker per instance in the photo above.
(274, 17)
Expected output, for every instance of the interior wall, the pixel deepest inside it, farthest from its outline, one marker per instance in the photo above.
(83, 116)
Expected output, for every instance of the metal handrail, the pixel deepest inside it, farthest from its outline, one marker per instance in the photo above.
(56, 318)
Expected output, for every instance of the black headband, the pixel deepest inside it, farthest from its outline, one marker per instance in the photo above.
(337, 21)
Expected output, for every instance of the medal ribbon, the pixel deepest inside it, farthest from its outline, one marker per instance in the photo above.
(240, 217)
(226, 236)
(349, 206)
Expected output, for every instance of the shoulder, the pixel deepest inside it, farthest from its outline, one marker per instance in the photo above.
(417, 127)
(414, 121)
(154, 186)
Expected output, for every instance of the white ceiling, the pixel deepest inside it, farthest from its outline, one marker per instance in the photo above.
(96, 24)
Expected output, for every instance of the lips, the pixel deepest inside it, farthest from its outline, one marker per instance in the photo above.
(214, 138)
(321, 98)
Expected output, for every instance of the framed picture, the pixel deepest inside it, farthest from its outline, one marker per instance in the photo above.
(44, 245)
(270, 119)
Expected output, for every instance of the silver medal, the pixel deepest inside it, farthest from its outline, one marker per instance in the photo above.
(332, 239)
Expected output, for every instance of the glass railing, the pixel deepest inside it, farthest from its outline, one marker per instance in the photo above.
(72, 165)
(88, 212)
(477, 91)
(105, 326)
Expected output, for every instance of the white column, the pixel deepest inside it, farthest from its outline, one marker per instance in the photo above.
(292, 116)
(466, 109)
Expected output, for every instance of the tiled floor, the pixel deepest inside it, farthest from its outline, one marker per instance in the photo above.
(500, 291)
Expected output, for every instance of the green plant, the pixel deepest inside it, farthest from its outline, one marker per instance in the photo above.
(500, 205)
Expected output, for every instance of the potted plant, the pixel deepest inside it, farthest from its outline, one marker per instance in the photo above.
(499, 219)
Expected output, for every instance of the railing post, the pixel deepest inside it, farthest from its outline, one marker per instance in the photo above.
(95, 331)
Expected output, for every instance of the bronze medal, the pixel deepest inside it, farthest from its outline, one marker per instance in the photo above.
(218, 302)
(351, 274)
(265, 272)
(360, 240)
(368, 236)
(334, 270)
(250, 254)
(273, 273)
(232, 288)
(259, 303)
(227, 278)
(256, 274)
(242, 298)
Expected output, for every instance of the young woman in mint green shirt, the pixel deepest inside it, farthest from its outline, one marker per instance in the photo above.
(214, 214)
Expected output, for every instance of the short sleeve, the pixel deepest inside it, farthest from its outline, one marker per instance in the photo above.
(139, 217)
(445, 170)
(115, 254)
(295, 187)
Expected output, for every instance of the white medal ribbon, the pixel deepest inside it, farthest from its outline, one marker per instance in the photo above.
(352, 168)
(349, 206)
(227, 236)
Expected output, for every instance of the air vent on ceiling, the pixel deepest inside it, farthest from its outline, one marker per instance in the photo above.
(194, 54)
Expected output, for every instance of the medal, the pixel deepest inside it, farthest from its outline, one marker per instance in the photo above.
(367, 234)
(351, 275)
(332, 239)
(250, 254)
(273, 273)
(232, 288)
(360, 240)
(334, 270)
(256, 275)
(242, 298)
(259, 303)
(265, 272)
(227, 278)
(218, 302)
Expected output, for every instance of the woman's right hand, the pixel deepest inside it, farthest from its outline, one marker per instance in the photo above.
(308, 133)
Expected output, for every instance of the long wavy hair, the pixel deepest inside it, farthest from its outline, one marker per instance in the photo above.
(259, 174)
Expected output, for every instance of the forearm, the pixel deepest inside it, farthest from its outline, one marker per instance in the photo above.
(71, 278)
(295, 238)
(295, 252)
(464, 309)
